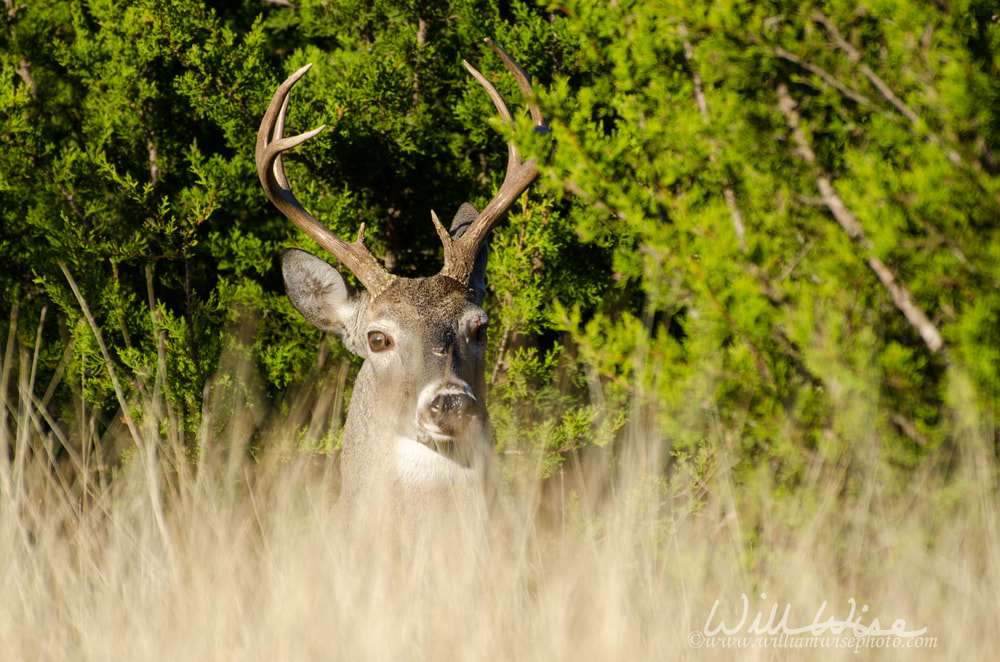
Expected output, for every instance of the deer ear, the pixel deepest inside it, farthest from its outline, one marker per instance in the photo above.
(464, 217)
(318, 291)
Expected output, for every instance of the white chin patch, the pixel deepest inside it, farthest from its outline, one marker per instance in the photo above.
(419, 465)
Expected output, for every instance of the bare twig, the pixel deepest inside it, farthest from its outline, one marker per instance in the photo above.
(154, 166)
(500, 362)
(739, 227)
(853, 54)
(418, 84)
(24, 67)
(823, 75)
(852, 226)
(787, 271)
(908, 428)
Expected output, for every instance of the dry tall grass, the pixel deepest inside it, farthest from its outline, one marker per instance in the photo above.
(169, 557)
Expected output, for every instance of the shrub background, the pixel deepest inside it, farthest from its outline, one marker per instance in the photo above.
(767, 232)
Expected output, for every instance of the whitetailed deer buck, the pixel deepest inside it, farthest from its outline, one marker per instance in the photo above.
(416, 439)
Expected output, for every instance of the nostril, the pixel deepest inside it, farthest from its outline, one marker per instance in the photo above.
(446, 409)
(449, 404)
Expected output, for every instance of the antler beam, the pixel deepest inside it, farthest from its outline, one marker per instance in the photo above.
(271, 143)
(460, 254)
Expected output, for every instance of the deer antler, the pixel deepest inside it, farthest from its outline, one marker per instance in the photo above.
(460, 254)
(270, 145)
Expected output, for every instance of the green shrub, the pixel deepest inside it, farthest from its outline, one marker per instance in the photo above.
(755, 215)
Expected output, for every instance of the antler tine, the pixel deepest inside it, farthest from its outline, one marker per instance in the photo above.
(460, 254)
(271, 143)
(524, 82)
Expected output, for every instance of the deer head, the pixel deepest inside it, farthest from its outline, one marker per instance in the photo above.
(417, 431)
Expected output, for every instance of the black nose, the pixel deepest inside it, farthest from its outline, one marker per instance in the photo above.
(448, 406)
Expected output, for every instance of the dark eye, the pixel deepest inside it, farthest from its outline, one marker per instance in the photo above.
(378, 341)
(479, 333)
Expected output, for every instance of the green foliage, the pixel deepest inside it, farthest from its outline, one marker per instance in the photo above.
(761, 316)
(680, 265)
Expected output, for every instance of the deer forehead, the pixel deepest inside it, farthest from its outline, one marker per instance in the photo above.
(437, 302)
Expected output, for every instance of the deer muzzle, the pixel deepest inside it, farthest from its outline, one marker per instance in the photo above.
(446, 409)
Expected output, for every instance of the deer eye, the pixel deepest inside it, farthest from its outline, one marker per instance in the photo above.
(378, 341)
(479, 333)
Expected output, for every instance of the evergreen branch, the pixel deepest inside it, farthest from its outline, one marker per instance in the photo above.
(852, 226)
(578, 190)
(855, 57)
(755, 352)
(876, 80)
(147, 451)
(37, 161)
(126, 415)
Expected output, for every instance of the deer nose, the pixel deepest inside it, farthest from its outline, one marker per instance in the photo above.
(445, 408)
(450, 404)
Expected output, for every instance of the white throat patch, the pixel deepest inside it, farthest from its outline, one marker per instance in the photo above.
(416, 464)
